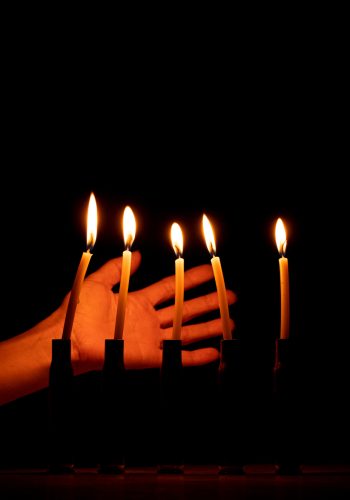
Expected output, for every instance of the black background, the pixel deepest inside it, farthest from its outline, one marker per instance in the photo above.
(245, 136)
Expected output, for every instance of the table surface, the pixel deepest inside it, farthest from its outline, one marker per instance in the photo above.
(197, 482)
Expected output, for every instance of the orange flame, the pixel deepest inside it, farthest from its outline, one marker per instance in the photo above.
(91, 231)
(281, 237)
(129, 227)
(209, 235)
(177, 239)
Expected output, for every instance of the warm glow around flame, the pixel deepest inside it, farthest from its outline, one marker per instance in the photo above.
(209, 235)
(129, 227)
(91, 222)
(177, 239)
(281, 237)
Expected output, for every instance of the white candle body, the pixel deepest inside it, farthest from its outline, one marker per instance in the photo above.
(179, 297)
(123, 294)
(284, 280)
(74, 296)
(221, 289)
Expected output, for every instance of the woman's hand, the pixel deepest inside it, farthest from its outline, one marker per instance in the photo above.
(145, 325)
(25, 359)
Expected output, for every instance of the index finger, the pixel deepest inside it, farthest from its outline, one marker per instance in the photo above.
(165, 289)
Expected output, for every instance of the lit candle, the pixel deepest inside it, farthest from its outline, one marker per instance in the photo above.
(281, 242)
(177, 242)
(219, 278)
(129, 229)
(84, 262)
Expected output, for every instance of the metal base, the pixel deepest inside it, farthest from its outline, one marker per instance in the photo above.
(231, 444)
(287, 441)
(61, 408)
(171, 409)
(112, 438)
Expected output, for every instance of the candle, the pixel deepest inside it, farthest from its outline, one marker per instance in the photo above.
(177, 242)
(281, 242)
(84, 262)
(129, 228)
(219, 278)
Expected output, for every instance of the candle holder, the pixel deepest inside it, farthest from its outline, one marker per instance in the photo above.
(231, 396)
(171, 409)
(61, 408)
(113, 408)
(285, 402)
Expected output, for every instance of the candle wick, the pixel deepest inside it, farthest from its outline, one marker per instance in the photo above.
(284, 248)
(211, 251)
(177, 251)
(128, 242)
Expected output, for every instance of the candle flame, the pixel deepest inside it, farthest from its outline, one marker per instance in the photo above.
(209, 235)
(91, 231)
(129, 227)
(281, 237)
(177, 239)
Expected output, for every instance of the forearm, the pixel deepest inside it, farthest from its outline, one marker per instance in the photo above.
(25, 359)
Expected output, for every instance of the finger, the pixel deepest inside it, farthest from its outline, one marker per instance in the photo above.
(199, 356)
(109, 273)
(193, 308)
(201, 331)
(164, 289)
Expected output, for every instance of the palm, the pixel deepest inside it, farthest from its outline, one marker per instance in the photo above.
(145, 326)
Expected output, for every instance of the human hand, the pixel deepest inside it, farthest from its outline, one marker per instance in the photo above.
(145, 326)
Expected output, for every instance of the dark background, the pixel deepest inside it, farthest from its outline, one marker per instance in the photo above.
(245, 135)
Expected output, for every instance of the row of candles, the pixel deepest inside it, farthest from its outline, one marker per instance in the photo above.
(129, 229)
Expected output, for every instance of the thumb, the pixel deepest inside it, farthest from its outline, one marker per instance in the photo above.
(109, 273)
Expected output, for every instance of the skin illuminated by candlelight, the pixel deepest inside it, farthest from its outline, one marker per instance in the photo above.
(83, 265)
(281, 242)
(129, 228)
(25, 359)
(219, 278)
(177, 242)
